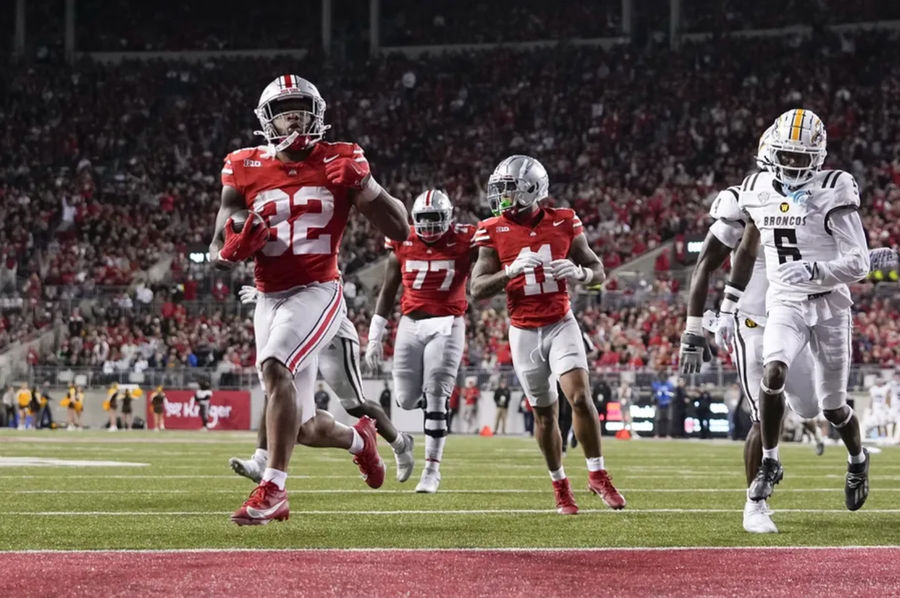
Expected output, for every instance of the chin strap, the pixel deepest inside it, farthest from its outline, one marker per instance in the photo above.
(272, 149)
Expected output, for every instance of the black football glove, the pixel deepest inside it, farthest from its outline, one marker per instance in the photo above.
(694, 351)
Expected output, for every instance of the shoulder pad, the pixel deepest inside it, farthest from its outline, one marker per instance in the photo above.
(725, 205)
(244, 152)
(341, 148)
(841, 190)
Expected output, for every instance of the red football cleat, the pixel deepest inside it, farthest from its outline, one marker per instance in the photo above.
(565, 502)
(266, 503)
(369, 461)
(600, 483)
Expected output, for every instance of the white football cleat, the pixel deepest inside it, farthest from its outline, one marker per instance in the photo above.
(405, 459)
(757, 518)
(249, 468)
(429, 482)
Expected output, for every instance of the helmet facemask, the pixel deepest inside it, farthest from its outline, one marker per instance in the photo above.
(506, 195)
(295, 121)
(431, 225)
(794, 166)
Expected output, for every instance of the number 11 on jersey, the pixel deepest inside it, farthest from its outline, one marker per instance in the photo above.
(532, 286)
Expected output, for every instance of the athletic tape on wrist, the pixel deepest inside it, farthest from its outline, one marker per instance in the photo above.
(370, 191)
(377, 327)
(728, 306)
(588, 275)
(733, 291)
(694, 325)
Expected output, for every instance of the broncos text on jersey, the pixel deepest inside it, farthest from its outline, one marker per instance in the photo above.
(794, 224)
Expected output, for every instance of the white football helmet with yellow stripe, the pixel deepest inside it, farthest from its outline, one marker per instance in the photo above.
(797, 147)
(762, 150)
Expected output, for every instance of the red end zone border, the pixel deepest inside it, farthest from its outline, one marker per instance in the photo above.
(675, 572)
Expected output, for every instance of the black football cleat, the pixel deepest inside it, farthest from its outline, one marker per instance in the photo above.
(856, 488)
(770, 473)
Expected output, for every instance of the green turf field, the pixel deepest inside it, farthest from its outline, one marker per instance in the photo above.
(495, 493)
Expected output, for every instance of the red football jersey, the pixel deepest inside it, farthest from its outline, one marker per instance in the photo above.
(306, 214)
(534, 298)
(434, 276)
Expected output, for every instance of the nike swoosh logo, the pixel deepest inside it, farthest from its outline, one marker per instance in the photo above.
(450, 244)
(265, 512)
(329, 159)
(558, 223)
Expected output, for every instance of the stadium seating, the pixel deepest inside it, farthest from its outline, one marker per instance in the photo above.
(638, 150)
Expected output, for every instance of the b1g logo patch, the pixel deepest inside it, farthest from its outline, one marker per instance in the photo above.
(750, 323)
(784, 207)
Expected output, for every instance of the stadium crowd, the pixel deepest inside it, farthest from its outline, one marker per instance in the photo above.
(130, 152)
(118, 25)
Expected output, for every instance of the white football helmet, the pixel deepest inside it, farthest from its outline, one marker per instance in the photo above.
(762, 150)
(517, 183)
(432, 215)
(291, 112)
(797, 147)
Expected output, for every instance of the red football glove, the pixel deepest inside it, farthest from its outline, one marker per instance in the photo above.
(348, 171)
(241, 246)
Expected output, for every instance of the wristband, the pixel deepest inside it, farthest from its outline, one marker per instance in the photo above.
(588, 275)
(732, 291)
(370, 191)
(694, 325)
(376, 328)
(728, 306)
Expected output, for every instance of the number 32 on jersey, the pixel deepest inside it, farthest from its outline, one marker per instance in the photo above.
(297, 220)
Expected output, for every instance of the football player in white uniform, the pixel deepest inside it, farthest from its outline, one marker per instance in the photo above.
(742, 334)
(807, 222)
(339, 367)
(880, 402)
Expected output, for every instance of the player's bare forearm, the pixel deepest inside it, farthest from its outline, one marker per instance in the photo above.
(488, 277)
(388, 214)
(744, 257)
(388, 293)
(712, 256)
(582, 255)
(231, 202)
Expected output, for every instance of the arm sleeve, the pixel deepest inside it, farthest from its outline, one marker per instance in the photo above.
(853, 263)
(728, 232)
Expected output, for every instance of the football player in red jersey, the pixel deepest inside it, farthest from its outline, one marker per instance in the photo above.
(301, 189)
(433, 266)
(339, 367)
(532, 253)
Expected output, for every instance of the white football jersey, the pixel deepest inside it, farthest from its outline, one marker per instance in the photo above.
(793, 225)
(729, 228)
(879, 395)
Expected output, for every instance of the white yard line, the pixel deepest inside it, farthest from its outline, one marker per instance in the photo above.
(416, 512)
(410, 491)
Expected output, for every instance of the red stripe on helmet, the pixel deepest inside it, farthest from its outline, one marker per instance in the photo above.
(287, 81)
(428, 197)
